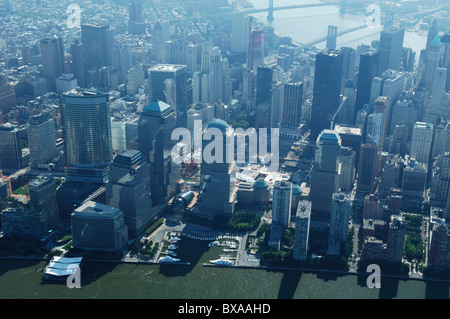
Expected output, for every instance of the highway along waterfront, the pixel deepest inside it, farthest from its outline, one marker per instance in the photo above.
(24, 279)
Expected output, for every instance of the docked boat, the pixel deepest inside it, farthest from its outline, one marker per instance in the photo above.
(168, 259)
(222, 262)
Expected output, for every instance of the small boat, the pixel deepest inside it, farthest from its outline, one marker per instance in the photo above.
(168, 259)
(222, 261)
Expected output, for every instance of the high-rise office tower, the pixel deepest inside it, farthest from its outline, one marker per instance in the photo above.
(217, 76)
(348, 65)
(129, 190)
(135, 23)
(324, 174)
(413, 182)
(77, 67)
(205, 59)
(41, 140)
(292, 104)
(168, 83)
(340, 215)
(368, 168)
(435, 107)
(379, 121)
(396, 238)
(10, 147)
(281, 203)
(301, 232)
(441, 141)
(255, 54)
(53, 60)
(346, 168)
(192, 57)
(432, 61)
(160, 34)
(276, 105)
(156, 123)
(240, 33)
(368, 66)
(439, 247)
(87, 134)
(99, 227)
(218, 178)
(264, 78)
(42, 192)
(422, 137)
(391, 44)
(327, 90)
(97, 43)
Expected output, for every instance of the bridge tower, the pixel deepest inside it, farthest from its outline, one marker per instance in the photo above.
(343, 7)
(331, 37)
(270, 15)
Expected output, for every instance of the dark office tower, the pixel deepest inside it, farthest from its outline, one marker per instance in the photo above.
(52, 55)
(41, 140)
(97, 45)
(368, 66)
(128, 189)
(323, 175)
(348, 65)
(10, 147)
(77, 66)
(255, 55)
(408, 59)
(42, 192)
(331, 37)
(168, 83)
(368, 167)
(135, 11)
(292, 104)
(156, 123)
(391, 45)
(396, 238)
(264, 78)
(327, 90)
(87, 135)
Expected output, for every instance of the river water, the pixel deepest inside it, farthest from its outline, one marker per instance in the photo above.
(308, 24)
(22, 279)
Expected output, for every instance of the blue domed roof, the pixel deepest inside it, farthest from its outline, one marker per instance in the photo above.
(260, 184)
(296, 190)
(218, 123)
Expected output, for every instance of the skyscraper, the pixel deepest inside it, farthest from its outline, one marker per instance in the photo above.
(255, 54)
(264, 78)
(129, 190)
(41, 140)
(135, 23)
(391, 44)
(327, 90)
(218, 191)
(156, 123)
(422, 137)
(379, 121)
(292, 104)
(396, 238)
(168, 83)
(323, 175)
(281, 203)
(52, 53)
(10, 147)
(368, 168)
(368, 65)
(160, 35)
(87, 133)
(301, 233)
(240, 33)
(340, 215)
(97, 43)
(42, 191)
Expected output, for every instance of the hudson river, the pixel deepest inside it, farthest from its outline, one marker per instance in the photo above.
(23, 279)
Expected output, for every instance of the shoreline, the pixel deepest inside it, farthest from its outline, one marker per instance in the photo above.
(266, 268)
